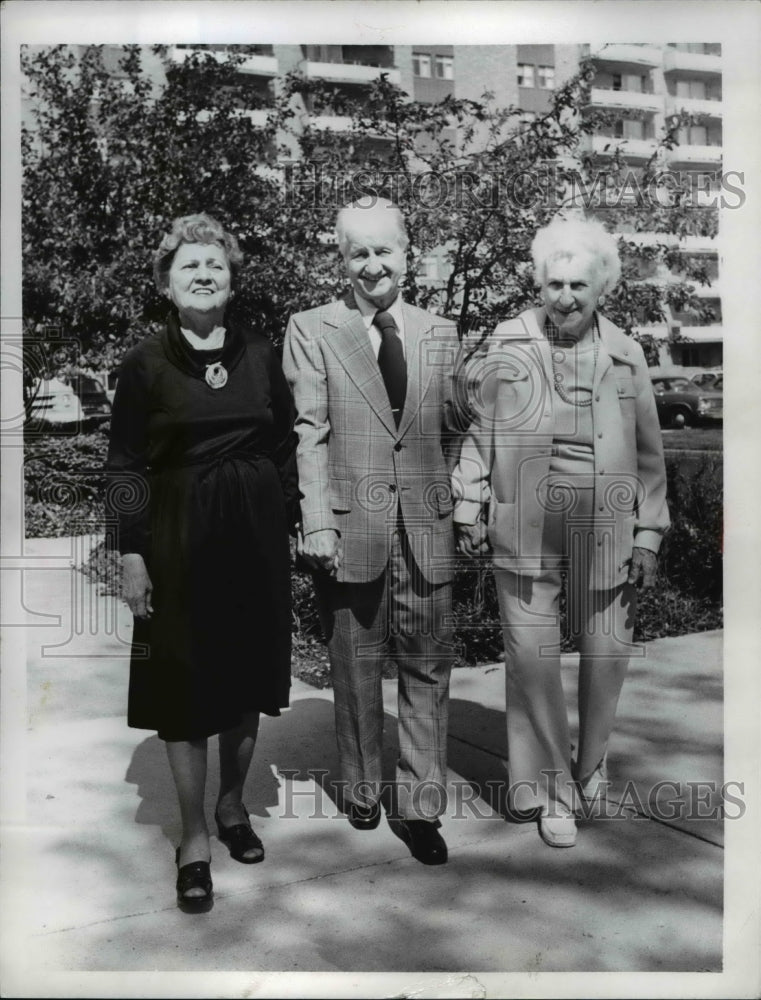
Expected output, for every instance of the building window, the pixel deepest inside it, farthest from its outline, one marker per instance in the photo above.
(444, 68)
(421, 65)
(547, 77)
(626, 128)
(428, 268)
(525, 75)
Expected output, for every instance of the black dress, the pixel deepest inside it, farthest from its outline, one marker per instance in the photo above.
(202, 483)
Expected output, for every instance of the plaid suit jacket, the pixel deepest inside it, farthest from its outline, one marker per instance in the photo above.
(356, 468)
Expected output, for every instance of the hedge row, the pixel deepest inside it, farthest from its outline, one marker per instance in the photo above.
(64, 485)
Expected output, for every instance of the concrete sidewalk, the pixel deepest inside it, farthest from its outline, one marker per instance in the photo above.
(92, 859)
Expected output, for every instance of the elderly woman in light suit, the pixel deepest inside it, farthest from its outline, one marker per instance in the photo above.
(562, 473)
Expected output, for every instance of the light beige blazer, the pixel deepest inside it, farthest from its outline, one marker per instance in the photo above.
(505, 457)
(356, 468)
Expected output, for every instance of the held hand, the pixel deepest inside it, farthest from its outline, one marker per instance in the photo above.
(137, 588)
(321, 550)
(643, 568)
(471, 539)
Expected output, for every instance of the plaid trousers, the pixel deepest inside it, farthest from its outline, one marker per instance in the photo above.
(402, 617)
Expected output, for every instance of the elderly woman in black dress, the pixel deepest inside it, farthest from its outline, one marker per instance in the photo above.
(202, 426)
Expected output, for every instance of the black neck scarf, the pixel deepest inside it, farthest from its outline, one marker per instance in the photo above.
(194, 362)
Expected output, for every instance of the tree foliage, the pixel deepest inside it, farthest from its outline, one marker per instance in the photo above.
(111, 153)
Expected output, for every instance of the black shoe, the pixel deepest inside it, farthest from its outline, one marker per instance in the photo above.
(424, 841)
(196, 875)
(240, 839)
(364, 817)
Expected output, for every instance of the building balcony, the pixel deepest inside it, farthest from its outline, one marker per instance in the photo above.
(258, 117)
(712, 291)
(631, 149)
(624, 100)
(691, 63)
(659, 331)
(667, 281)
(253, 65)
(689, 244)
(628, 56)
(703, 334)
(341, 123)
(329, 123)
(336, 72)
(699, 244)
(694, 106)
(695, 156)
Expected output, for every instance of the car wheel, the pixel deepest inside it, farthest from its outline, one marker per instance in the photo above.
(679, 419)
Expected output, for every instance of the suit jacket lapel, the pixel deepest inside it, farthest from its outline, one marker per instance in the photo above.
(351, 346)
(420, 368)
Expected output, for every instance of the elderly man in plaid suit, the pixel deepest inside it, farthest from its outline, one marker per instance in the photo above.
(374, 383)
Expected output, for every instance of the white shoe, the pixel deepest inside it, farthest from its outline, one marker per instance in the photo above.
(596, 785)
(557, 829)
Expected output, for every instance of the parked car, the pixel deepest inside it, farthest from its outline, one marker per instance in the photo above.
(56, 404)
(680, 402)
(709, 380)
(92, 395)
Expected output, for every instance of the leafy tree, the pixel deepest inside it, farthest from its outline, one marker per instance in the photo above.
(112, 153)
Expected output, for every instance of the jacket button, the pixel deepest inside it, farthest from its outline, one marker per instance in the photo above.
(599, 434)
(599, 542)
(601, 507)
(398, 446)
(597, 399)
(392, 487)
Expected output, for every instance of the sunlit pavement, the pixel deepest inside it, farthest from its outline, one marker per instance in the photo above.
(89, 872)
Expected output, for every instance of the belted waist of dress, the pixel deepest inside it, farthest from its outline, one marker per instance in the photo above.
(216, 460)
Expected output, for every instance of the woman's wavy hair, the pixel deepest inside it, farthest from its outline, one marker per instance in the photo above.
(569, 237)
(198, 228)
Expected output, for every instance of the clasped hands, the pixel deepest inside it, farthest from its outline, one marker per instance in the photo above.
(321, 550)
(472, 539)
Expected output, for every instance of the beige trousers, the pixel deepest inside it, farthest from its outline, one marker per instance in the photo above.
(601, 623)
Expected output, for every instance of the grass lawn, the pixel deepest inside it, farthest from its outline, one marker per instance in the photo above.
(694, 439)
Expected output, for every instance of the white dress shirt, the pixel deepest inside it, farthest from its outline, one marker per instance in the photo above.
(369, 312)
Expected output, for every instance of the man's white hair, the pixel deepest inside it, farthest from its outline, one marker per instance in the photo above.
(359, 210)
(566, 238)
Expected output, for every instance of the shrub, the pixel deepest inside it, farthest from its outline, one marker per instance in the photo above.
(691, 554)
(64, 482)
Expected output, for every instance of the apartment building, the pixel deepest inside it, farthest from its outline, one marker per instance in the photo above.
(643, 85)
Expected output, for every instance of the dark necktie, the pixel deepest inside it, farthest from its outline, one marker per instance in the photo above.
(391, 362)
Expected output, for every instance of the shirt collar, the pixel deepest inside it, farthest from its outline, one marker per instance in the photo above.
(369, 311)
(552, 332)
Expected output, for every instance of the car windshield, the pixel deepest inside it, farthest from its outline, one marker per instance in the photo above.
(673, 385)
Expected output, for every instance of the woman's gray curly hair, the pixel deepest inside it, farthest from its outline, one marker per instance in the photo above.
(198, 228)
(566, 238)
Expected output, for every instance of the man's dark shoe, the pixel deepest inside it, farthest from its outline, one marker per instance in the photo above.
(424, 841)
(364, 817)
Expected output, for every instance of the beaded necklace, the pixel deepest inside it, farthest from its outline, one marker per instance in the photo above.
(558, 356)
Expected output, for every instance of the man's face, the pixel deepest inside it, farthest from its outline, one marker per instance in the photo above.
(373, 256)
